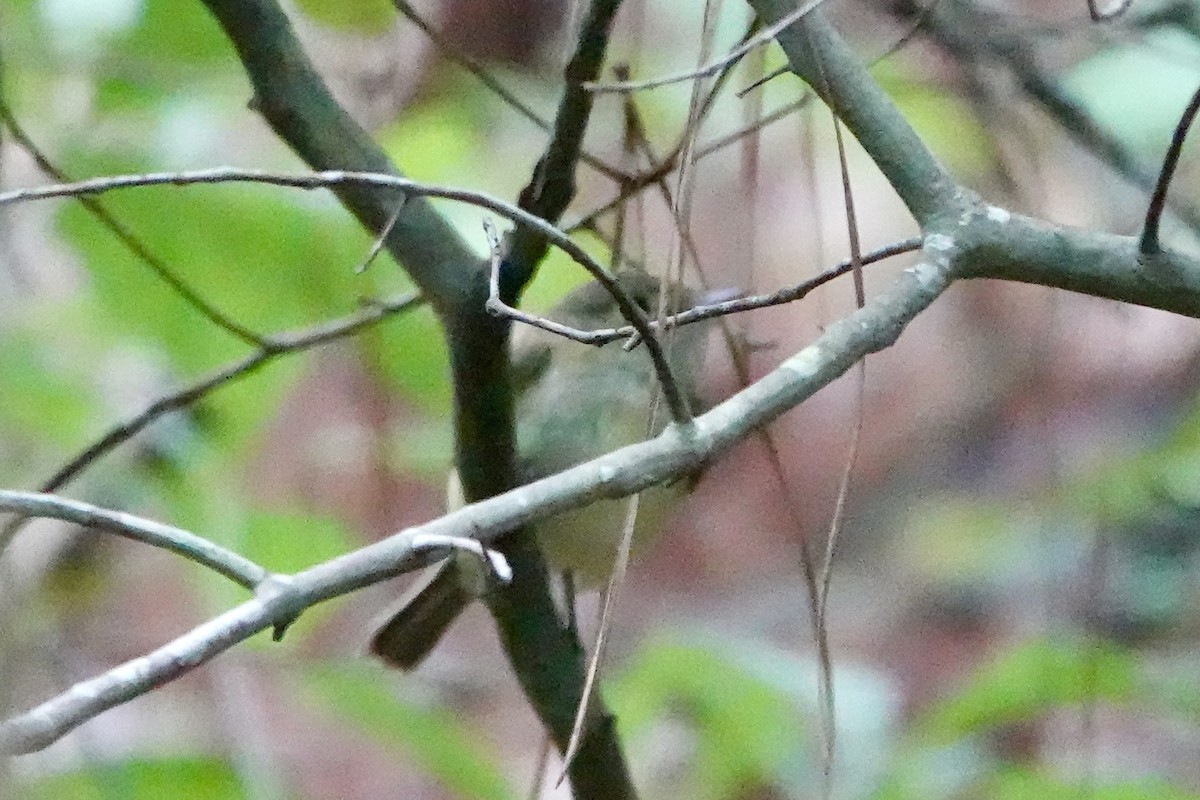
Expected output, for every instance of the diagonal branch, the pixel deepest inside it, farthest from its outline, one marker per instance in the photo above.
(552, 186)
(819, 55)
(125, 236)
(273, 347)
(455, 54)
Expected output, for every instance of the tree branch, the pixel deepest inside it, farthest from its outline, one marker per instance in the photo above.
(552, 186)
(176, 540)
(678, 451)
(293, 99)
(272, 347)
(818, 54)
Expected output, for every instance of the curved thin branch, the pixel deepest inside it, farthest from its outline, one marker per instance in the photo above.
(127, 237)
(1149, 243)
(176, 540)
(708, 70)
(272, 348)
(333, 178)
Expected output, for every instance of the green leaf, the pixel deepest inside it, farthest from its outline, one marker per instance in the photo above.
(1029, 680)
(141, 779)
(1025, 784)
(290, 542)
(44, 396)
(365, 17)
(171, 32)
(745, 728)
(433, 738)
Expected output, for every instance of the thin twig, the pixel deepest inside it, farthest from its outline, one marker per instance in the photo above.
(224, 562)
(708, 70)
(126, 236)
(456, 54)
(608, 603)
(658, 172)
(273, 347)
(741, 304)
(380, 239)
(497, 307)
(329, 178)
(1149, 243)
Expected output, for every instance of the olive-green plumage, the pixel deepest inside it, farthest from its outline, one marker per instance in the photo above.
(575, 402)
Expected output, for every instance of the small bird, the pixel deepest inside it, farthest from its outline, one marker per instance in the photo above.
(575, 402)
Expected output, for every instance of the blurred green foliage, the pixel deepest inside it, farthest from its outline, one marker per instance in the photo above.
(431, 737)
(743, 729)
(363, 17)
(141, 779)
(164, 90)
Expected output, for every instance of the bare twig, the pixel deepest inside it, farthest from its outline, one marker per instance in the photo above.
(707, 71)
(380, 239)
(497, 307)
(126, 236)
(657, 173)
(741, 304)
(1149, 243)
(273, 347)
(176, 540)
(455, 54)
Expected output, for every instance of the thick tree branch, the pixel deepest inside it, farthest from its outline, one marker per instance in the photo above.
(991, 242)
(817, 53)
